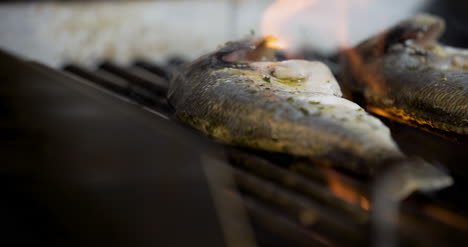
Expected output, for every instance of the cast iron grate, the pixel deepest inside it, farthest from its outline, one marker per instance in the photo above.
(291, 202)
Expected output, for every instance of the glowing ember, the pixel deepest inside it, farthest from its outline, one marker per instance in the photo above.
(345, 191)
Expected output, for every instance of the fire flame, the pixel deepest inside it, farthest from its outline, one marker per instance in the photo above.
(345, 191)
(276, 16)
(275, 43)
(356, 64)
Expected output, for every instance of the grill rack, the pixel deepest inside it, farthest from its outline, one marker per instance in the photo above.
(288, 202)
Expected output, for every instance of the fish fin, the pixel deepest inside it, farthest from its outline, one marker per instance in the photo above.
(408, 176)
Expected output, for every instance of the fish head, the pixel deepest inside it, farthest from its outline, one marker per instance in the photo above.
(420, 30)
(245, 51)
(234, 54)
(254, 55)
(416, 35)
(253, 59)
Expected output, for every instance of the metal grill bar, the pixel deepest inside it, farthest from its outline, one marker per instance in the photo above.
(143, 93)
(153, 68)
(281, 226)
(155, 86)
(116, 85)
(297, 183)
(305, 211)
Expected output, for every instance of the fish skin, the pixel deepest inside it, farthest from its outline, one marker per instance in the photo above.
(231, 102)
(412, 79)
(217, 97)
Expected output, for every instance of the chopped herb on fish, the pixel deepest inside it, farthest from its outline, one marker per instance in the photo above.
(267, 79)
(304, 111)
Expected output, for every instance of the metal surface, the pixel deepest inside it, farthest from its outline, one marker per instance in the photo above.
(80, 167)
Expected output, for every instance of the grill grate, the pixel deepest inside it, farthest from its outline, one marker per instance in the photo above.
(286, 198)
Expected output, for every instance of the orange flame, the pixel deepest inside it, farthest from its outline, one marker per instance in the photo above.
(367, 74)
(345, 191)
(274, 42)
(277, 15)
(447, 217)
(357, 67)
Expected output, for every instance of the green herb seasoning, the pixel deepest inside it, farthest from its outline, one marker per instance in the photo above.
(267, 79)
(304, 111)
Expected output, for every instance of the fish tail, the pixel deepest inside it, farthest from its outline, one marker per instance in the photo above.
(413, 174)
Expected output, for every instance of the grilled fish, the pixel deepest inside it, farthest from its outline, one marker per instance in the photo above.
(405, 75)
(292, 106)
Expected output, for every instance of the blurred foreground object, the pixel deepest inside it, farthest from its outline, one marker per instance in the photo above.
(80, 167)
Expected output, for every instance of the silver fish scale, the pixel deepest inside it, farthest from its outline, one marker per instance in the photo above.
(436, 97)
(239, 110)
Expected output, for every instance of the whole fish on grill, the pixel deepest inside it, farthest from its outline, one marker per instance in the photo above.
(292, 107)
(405, 75)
